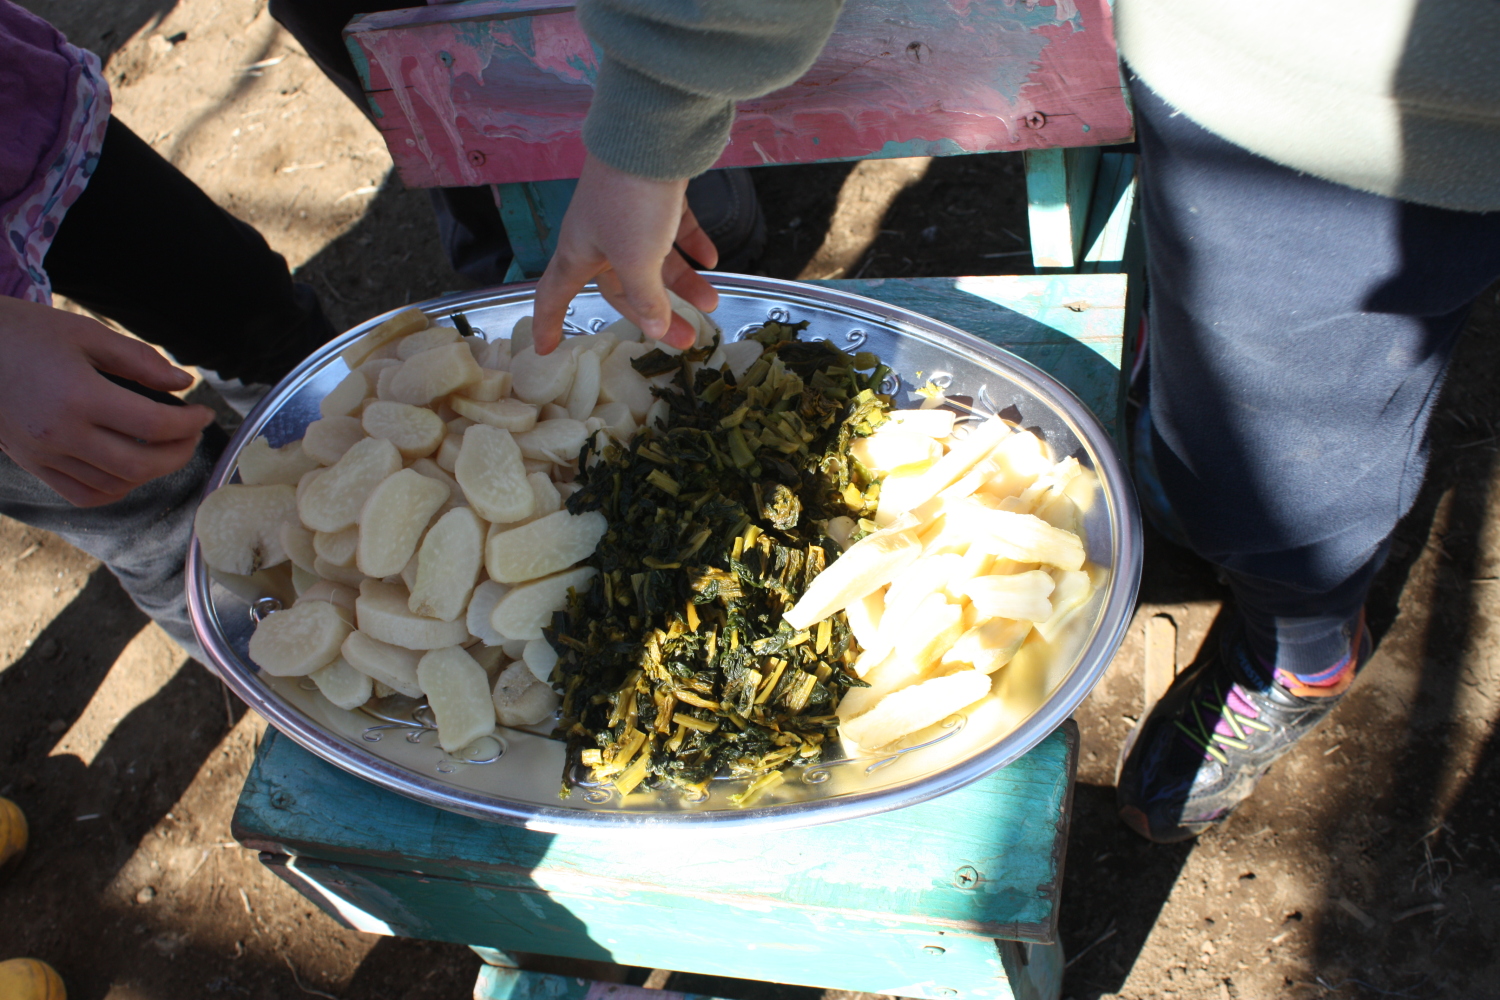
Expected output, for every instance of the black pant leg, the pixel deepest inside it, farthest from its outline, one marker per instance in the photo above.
(148, 248)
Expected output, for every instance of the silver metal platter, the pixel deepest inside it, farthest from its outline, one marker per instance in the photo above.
(516, 776)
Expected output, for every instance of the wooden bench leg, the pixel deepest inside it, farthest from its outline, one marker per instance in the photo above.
(1059, 188)
(1035, 971)
(532, 214)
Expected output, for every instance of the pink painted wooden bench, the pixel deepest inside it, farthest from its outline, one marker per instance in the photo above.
(495, 92)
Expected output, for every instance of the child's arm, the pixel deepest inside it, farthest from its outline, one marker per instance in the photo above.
(89, 439)
(663, 106)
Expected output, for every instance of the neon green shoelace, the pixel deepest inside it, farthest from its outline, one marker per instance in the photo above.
(1206, 736)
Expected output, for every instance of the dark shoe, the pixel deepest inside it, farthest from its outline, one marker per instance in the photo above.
(1210, 740)
(725, 205)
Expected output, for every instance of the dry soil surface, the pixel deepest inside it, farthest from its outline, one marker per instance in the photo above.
(1366, 865)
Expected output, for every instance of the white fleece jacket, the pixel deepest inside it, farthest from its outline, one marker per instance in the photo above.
(1397, 97)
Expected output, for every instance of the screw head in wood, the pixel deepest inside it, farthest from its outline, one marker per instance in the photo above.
(1035, 119)
(966, 877)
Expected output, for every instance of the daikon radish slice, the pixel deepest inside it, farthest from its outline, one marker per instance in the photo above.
(393, 520)
(916, 707)
(262, 465)
(431, 374)
(447, 565)
(1021, 596)
(383, 613)
(425, 340)
(931, 631)
(583, 395)
(864, 618)
(540, 657)
(616, 420)
(239, 527)
(507, 414)
(544, 546)
(905, 600)
(298, 543)
(870, 564)
(481, 606)
(886, 450)
(948, 469)
(458, 690)
(347, 397)
(415, 430)
(404, 323)
(336, 594)
(523, 611)
(332, 502)
(542, 378)
(989, 645)
(557, 441)
(492, 387)
(1025, 538)
(490, 470)
(394, 666)
(298, 640)
(349, 576)
(343, 685)
(520, 699)
(1073, 590)
(337, 547)
(621, 383)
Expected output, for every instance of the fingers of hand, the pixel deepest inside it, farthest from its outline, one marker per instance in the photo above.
(692, 238)
(81, 484)
(681, 334)
(132, 359)
(564, 278)
(134, 416)
(132, 462)
(689, 284)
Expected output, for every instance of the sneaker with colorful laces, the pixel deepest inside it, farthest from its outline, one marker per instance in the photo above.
(1215, 734)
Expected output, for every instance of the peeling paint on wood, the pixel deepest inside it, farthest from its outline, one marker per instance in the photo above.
(495, 91)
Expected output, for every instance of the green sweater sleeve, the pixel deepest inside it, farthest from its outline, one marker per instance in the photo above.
(673, 69)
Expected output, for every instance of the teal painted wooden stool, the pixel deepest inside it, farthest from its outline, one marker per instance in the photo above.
(953, 898)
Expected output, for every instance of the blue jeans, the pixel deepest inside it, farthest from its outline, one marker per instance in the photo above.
(1299, 335)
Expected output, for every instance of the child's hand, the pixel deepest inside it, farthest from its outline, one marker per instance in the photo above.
(89, 439)
(619, 231)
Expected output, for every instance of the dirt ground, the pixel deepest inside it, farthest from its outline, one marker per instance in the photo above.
(1366, 866)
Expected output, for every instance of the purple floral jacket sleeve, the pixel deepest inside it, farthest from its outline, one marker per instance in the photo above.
(54, 107)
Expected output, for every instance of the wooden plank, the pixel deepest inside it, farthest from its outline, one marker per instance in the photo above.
(495, 91)
(1161, 660)
(1069, 325)
(840, 950)
(1005, 834)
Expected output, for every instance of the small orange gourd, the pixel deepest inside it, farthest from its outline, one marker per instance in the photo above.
(30, 979)
(12, 833)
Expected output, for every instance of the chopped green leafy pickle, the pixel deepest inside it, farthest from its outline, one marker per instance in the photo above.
(675, 664)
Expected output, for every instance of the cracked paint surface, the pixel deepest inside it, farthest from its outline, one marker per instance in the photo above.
(473, 94)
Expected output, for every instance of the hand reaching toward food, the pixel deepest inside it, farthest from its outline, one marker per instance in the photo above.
(89, 439)
(620, 231)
